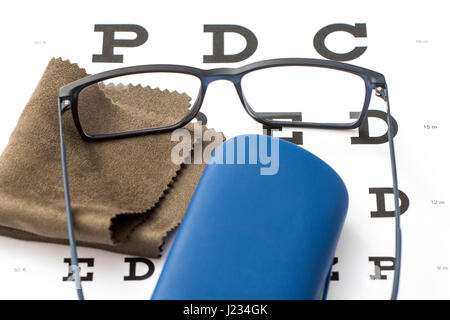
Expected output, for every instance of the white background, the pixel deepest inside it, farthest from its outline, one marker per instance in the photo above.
(408, 41)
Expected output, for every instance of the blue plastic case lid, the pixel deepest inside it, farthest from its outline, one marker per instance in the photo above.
(248, 235)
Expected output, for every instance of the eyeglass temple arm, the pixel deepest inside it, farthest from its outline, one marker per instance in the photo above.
(383, 93)
(75, 269)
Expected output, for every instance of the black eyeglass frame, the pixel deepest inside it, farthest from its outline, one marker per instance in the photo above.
(69, 93)
(68, 99)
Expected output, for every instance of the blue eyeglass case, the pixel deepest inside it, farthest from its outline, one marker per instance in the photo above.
(249, 235)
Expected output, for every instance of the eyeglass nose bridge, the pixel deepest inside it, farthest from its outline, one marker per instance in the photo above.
(228, 74)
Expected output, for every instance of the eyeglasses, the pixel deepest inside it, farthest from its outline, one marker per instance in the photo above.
(324, 91)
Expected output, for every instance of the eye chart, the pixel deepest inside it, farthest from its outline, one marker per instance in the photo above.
(407, 41)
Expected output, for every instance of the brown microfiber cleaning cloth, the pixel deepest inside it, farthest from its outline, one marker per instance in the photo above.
(117, 187)
(148, 237)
